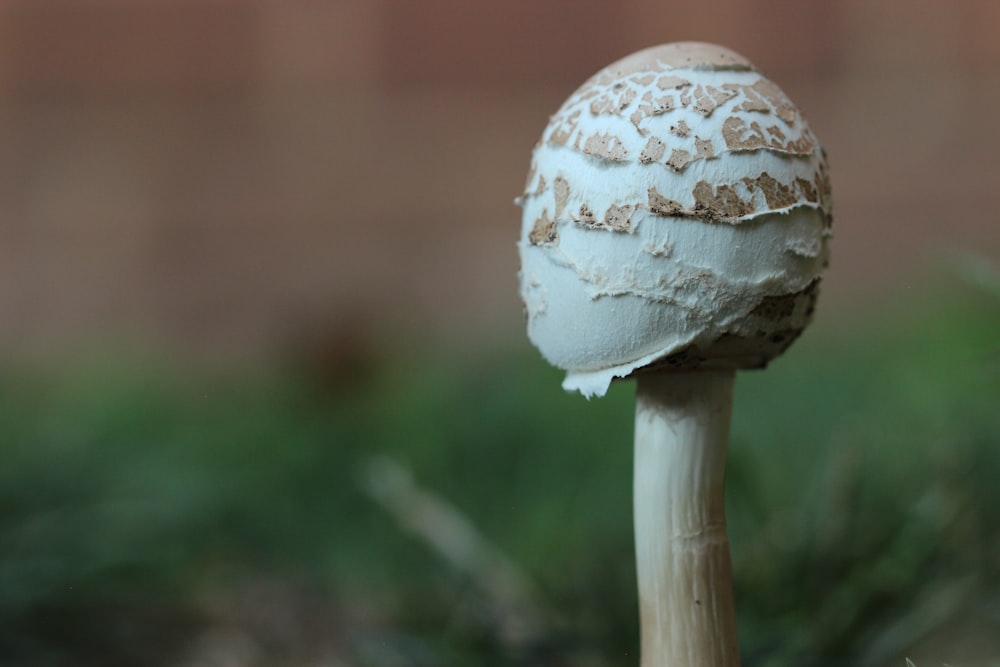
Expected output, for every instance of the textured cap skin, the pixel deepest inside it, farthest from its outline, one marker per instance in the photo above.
(676, 215)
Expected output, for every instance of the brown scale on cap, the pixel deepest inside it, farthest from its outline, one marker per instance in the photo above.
(679, 158)
(776, 194)
(742, 137)
(544, 230)
(704, 149)
(605, 146)
(724, 203)
(720, 202)
(560, 187)
(653, 151)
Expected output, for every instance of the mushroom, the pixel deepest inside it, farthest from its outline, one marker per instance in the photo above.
(675, 224)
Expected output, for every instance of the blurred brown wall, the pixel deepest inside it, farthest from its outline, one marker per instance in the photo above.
(232, 177)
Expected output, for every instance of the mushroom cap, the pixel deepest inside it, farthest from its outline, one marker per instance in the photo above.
(676, 215)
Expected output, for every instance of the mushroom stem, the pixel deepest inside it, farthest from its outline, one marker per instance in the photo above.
(682, 552)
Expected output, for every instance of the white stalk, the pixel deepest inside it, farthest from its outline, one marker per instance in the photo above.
(682, 552)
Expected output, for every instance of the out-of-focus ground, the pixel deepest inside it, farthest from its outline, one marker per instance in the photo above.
(231, 179)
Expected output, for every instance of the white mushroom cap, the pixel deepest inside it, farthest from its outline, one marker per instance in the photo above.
(676, 214)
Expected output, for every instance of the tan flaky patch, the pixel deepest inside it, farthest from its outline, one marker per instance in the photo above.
(679, 159)
(637, 117)
(668, 82)
(703, 149)
(732, 201)
(541, 185)
(653, 151)
(740, 136)
(613, 103)
(618, 217)
(586, 216)
(606, 146)
(544, 230)
(660, 205)
(563, 128)
(721, 202)
(561, 189)
(602, 104)
(751, 100)
(777, 195)
(708, 98)
(660, 104)
(783, 107)
(808, 190)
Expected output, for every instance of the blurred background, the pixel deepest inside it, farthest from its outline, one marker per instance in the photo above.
(265, 394)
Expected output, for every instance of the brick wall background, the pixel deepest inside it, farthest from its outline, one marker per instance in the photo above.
(228, 178)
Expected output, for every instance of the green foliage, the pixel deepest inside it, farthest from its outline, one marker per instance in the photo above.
(862, 502)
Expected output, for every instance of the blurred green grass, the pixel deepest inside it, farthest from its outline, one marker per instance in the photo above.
(141, 507)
